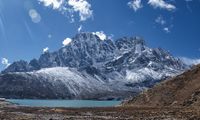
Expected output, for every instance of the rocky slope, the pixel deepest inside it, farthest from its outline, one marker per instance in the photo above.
(61, 83)
(181, 91)
(89, 68)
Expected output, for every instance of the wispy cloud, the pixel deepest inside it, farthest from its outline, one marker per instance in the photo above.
(66, 41)
(166, 29)
(69, 7)
(5, 62)
(49, 36)
(188, 5)
(165, 25)
(161, 4)
(135, 4)
(160, 20)
(190, 61)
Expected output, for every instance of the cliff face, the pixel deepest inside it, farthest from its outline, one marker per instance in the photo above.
(182, 90)
(90, 68)
(88, 50)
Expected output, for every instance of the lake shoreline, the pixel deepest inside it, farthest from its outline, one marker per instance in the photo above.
(64, 103)
(11, 111)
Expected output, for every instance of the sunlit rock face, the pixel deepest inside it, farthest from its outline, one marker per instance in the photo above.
(94, 69)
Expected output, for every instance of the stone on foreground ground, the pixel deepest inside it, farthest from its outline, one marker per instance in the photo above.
(14, 112)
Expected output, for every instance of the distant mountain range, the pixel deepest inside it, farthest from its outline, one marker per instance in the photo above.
(89, 68)
(180, 91)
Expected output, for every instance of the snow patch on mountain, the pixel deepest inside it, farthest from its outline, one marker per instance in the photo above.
(91, 68)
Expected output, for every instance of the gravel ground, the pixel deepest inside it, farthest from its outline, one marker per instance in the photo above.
(13, 112)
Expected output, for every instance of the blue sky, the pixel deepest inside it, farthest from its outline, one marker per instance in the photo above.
(29, 27)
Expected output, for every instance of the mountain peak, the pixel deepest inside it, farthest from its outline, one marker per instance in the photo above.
(88, 50)
(18, 66)
(90, 64)
(139, 40)
(129, 43)
(86, 36)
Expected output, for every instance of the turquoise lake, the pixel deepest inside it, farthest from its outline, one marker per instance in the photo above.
(64, 103)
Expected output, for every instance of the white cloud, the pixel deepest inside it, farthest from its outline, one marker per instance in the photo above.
(166, 29)
(189, 61)
(163, 24)
(135, 4)
(80, 28)
(45, 50)
(69, 7)
(67, 41)
(161, 4)
(34, 15)
(56, 4)
(100, 34)
(160, 20)
(5, 62)
(82, 7)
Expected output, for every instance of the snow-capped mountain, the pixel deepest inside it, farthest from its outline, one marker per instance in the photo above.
(89, 68)
(61, 83)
